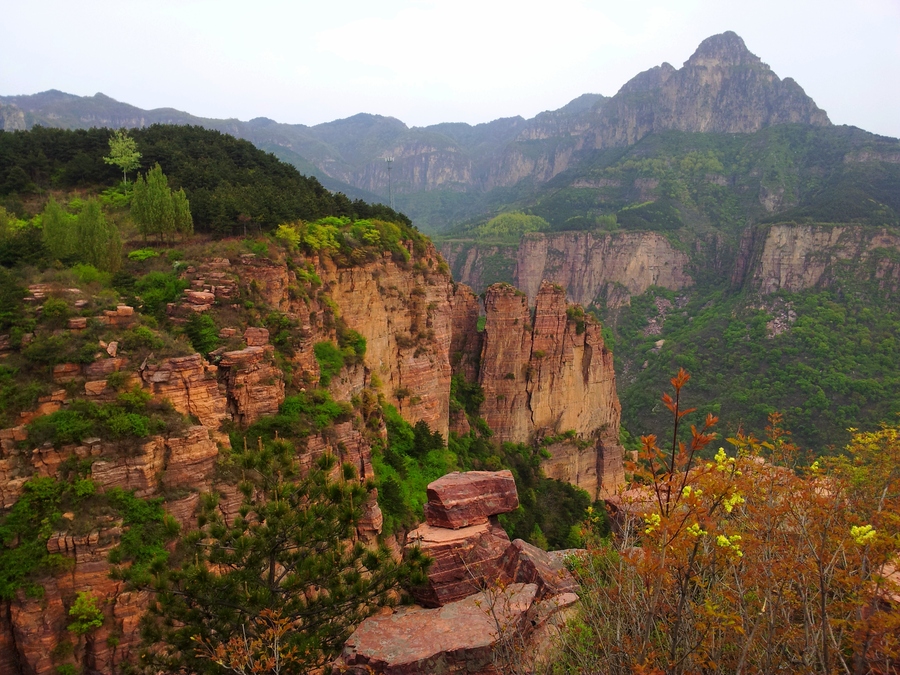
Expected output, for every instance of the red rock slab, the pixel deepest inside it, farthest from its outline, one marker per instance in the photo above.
(256, 337)
(199, 297)
(527, 564)
(454, 639)
(63, 372)
(464, 561)
(463, 499)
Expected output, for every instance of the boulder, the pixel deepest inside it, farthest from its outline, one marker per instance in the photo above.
(456, 638)
(462, 499)
(527, 564)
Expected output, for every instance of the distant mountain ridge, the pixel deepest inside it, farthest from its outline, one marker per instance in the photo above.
(442, 173)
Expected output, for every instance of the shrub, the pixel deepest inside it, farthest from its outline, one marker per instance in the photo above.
(330, 360)
(142, 254)
(87, 617)
(156, 290)
(202, 332)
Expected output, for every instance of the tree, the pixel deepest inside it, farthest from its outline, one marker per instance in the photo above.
(58, 230)
(184, 223)
(157, 210)
(123, 153)
(287, 558)
(97, 240)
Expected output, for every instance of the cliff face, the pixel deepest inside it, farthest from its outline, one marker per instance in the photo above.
(612, 266)
(419, 327)
(548, 375)
(590, 266)
(797, 257)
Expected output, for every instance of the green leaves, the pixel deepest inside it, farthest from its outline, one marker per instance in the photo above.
(123, 152)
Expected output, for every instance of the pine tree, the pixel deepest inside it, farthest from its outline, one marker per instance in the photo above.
(290, 554)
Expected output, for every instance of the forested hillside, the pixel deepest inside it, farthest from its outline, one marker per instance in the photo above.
(233, 187)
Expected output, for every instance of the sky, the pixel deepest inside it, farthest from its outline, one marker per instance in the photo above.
(431, 61)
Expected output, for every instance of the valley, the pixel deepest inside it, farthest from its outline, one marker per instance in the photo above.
(253, 374)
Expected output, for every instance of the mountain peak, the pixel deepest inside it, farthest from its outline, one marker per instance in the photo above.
(725, 49)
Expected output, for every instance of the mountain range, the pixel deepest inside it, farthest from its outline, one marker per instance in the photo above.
(452, 172)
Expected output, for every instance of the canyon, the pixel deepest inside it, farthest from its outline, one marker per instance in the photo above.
(419, 329)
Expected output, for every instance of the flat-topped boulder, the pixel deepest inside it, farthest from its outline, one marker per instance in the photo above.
(455, 639)
(462, 499)
(464, 561)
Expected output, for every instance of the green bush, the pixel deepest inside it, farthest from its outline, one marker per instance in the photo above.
(140, 338)
(202, 332)
(330, 360)
(156, 290)
(142, 254)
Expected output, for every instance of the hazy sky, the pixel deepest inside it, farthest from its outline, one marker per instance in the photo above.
(428, 61)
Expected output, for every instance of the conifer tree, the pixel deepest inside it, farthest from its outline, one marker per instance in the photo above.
(288, 557)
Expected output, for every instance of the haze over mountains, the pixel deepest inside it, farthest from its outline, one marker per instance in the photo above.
(449, 172)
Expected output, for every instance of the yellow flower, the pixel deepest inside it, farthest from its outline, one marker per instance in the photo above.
(862, 534)
(731, 501)
(695, 531)
(652, 521)
(731, 543)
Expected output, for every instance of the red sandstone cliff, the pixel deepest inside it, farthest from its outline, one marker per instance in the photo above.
(419, 328)
(548, 374)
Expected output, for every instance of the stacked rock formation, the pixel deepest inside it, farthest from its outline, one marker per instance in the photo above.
(481, 588)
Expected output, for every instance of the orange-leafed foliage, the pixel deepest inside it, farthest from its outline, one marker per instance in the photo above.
(752, 561)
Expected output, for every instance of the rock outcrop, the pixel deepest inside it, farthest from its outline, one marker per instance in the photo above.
(481, 589)
(463, 499)
(548, 374)
(457, 638)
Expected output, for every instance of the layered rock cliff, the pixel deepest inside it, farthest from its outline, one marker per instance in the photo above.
(794, 257)
(549, 373)
(593, 267)
(418, 326)
(611, 267)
